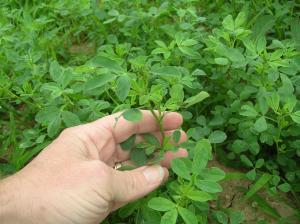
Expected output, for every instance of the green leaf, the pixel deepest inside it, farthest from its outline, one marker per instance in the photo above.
(217, 137)
(161, 204)
(222, 217)
(151, 139)
(213, 174)
(254, 147)
(263, 106)
(239, 146)
(188, 51)
(233, 54)
(176, 136)
(246, 161)
(251, 175)
(150, 150)
(260, 124)
(66, 78)
(157, 93)
(179, 167)
(138, 157)
(296, 116)
(290, 104)
(199, 72)
(228, 23)
(287, 88)
(123, 87)
(54, 127)
(47, 114)
(262, 25)
(208, 186)
(202, 153)
(196, 99)
(133, 115)
(129, 143)
(189, 42)
(166, 71)
(199, 196)
(179, 37)
(248, 111)
(128, 210)
(261, 182)
(101, 61)
(98, 81)
(240, 19)
(273, 101)
(221, 61)
(176, 92)
(295, 32)
(70, 119)
(55, 71)
(169, 217)
(236, 217)
(161, 43)
(187, 216)
(160, 50)
(150, 216)
(259, 163)
(285, 187)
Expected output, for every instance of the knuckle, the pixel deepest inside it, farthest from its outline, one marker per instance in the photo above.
(133, 183)
(106, 134)
(68, 132)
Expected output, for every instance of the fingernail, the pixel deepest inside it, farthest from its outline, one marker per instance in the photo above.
(154, 174)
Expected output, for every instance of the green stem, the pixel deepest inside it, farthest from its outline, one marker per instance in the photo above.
(159, 120)
(270, 119)
(278, 136)
(21, 99)
(108, 94)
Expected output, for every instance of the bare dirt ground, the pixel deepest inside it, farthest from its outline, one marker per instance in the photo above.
(231, 197)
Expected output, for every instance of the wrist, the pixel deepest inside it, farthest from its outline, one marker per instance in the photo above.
(12, 205)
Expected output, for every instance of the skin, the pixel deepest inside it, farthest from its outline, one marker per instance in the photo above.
(73, 179)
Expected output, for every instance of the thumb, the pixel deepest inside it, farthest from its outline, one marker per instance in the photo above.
(134, 184)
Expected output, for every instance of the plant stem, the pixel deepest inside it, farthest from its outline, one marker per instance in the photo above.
(21, 99)
(159, 120)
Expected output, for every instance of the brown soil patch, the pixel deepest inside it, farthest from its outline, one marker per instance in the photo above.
(231, 197)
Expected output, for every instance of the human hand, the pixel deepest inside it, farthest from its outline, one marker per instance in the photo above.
(73, 180)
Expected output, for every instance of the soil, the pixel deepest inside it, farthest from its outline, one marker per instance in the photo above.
(231, 197)
(84, 48)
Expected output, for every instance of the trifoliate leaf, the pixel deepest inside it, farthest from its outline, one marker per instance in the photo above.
(138, 157)
(260, 124)
(70, 119)
(129, 143)
(133, 115)
(187, 216)
(161, 204)
(176, 136)
(196, 99)
(296, 116)
(217, 137)
(123, 87)
(178, 166)
(169, 217)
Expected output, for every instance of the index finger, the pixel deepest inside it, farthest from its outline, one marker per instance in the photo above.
(123, 129)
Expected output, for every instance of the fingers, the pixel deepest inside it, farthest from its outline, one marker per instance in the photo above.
(123, 129)
(131, 185)
(168, 157)
(122, 155)
(172, 155)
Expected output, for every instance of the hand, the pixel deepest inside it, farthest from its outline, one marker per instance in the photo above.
(73, 180)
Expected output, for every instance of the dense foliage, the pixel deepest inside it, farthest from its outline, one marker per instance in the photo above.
(230, 67)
